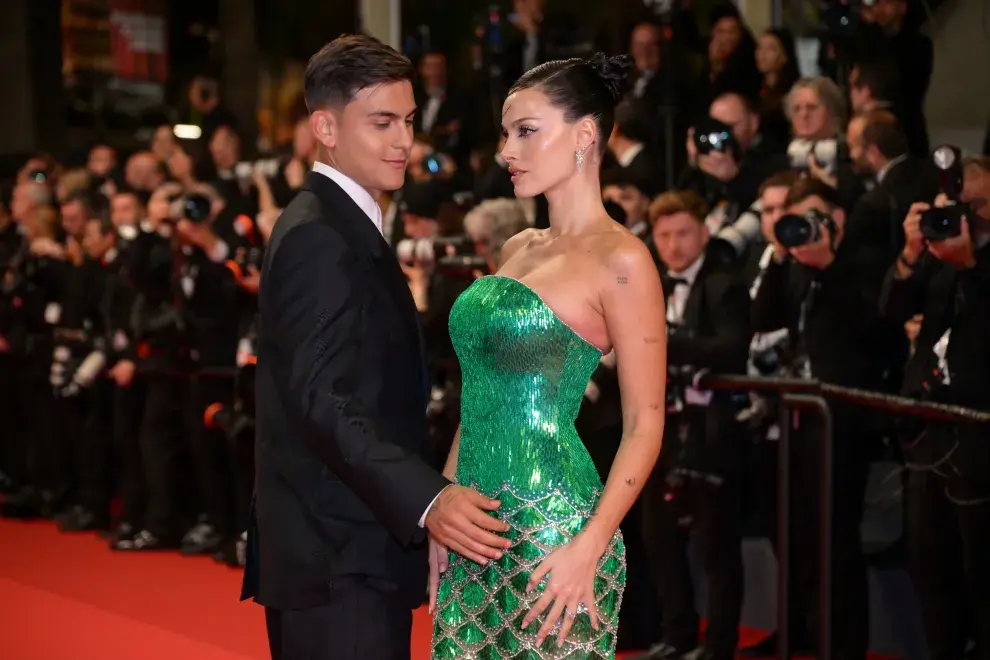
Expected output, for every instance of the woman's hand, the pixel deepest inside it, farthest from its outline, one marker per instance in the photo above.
(571, 570)
(438, 564)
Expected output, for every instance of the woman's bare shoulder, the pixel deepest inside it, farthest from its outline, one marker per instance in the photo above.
(519, 241)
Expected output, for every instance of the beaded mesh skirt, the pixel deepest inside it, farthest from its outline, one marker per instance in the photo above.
(480, 609)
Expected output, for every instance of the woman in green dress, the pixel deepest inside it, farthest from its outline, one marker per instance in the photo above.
(528, 339)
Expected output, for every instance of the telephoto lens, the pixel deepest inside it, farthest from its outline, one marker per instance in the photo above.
(794, 230)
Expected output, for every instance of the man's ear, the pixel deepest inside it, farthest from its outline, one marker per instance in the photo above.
(326, 127)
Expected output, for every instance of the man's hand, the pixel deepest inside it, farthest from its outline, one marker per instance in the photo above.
(818, 254)
(914, 241)
(47, 247)
(692, 149)
(123, 373)
(458, 520)
(957, 250)
(295, 174)
(820, 173)
(719, 165)
(197, 234)
(251, 281)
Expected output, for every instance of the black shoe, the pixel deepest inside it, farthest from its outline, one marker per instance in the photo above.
(124, 531)
(80, 519)
(143, 541)
(202, 539)
(25, 504)
(230, 553)
(7, 485)
(661, 651)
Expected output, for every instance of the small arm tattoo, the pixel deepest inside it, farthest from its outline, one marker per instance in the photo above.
(631, 481)
(651, 340)
(622, 279)
(654, 406)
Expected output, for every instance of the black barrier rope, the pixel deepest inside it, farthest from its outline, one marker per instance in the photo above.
(888, 402)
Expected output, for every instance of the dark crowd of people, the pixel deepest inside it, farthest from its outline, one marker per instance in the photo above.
(801, 226)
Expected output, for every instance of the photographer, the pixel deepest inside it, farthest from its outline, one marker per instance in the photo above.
(728, 160)
(148, 350)
(82, 396)
(943, 273)
(697, 481)
(825, 289)
(211, 302)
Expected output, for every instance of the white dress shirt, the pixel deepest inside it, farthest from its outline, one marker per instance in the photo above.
(626, 159)
(678, 297)
(359, 195)
(366, 203)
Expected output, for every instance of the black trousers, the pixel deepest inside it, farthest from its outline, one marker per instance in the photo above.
(360, 624)
(128, 409)
(162, 447)
(13, 448)
(716, 515)
(83, 459)
(211, 453)
(949, 550)
(850, 595)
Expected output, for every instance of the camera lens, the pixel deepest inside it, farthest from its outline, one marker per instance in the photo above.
(942, 223)
(795, 230)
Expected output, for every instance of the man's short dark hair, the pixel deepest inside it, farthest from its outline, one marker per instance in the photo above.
(882, 130)
(882, 76)
(785, 179)
(807, 187)
(748, 103)
(349, 64)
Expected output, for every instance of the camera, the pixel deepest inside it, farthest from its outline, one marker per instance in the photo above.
(795, 230)
(944, 222)
(194, 207)
(267, 167)
(825, 153)
(432, 250)
(711, 135)
(941, 223)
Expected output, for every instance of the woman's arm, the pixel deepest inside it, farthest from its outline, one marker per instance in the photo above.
(634, 311)
(636, 319)
(450, 467)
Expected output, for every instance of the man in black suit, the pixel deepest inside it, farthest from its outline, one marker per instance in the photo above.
(878, 147)
(697, 481)
(342, 491)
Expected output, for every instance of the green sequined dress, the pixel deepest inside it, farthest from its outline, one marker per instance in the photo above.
(524, 375)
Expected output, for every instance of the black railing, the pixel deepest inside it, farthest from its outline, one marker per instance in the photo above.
(800, 394)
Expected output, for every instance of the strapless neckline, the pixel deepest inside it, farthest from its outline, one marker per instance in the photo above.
(556, 316)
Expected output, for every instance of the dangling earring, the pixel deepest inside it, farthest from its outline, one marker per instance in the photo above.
(580, 159)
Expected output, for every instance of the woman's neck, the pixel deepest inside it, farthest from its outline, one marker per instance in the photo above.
(770, 79)
(575, 204)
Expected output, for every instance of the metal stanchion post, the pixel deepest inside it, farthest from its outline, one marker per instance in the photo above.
(784, 533)
(819, 405)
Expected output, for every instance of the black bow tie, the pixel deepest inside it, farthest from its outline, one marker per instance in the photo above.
(673, 282)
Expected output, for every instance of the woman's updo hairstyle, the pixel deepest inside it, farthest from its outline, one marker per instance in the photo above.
(582, 88)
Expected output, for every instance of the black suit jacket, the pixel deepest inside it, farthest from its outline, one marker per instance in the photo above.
(877, 218)
(341, 481)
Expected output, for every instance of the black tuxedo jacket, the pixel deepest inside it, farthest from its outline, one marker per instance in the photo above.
(341, 481)
(714, 334)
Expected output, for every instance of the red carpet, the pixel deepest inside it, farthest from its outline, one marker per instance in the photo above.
(67, 597)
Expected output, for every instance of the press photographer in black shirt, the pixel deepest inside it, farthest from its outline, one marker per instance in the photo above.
(697, 482)
(825, 290)
(943, 273)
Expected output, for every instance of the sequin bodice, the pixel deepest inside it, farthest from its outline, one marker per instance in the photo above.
(524, 376)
